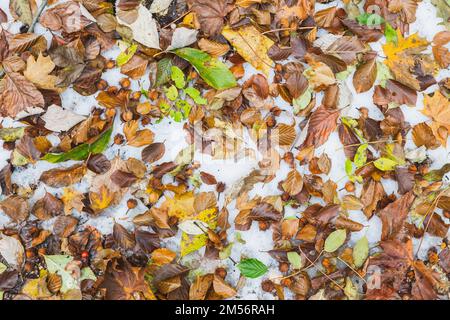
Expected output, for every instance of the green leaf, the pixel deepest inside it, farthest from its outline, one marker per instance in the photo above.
(390, 33)
(177, 76)
(57, 264)
(126, 55)
(11, 134)
(214, 72)
(383, 73)
(385, 164)
(252, 268)
(82, 151)
(361, 155)
(295, 259)
(226, 252)
(303, 101)
(370, 19)
(437, 175)
(360, 251)
(172, 93)
(184, 107)
(195, 95)
(335, 240)
(2, 268)
(87, 273)
(163, 71)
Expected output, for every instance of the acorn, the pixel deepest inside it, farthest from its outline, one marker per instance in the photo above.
(286, 282)
(132, 203)
(349, 186)
(127, 116)
(283, 267)
(267, 285)
(221, 272)
(135, 95)
(119, 139)
(102, 85)
(110, 112)
(54, 282)
(125, 83)
(271, 122)
(112, 90)
(110, 64)
(263, 225)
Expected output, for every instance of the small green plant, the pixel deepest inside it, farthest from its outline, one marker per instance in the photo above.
(179, 96)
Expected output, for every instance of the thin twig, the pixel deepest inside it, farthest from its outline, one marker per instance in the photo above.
(38, 14)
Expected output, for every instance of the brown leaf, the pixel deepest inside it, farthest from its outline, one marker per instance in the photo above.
(64, 226)
(123, 238)
(210, 14)
(285, 134)
(18, 94)
(222, 288)
(307, 233)
(322, 123)
(394, 214)
(294, 183)
(147, 241)
(405, 179)
(65, 17)
(215, 49)
(98, 163)
(371, 194)
(135, 137)
(153, 152)
(423, 136)
(22, 42)
(135, 67)
(123, 179)
(47, 207)
(200, 287)
(64, 177)
(207, 178)
(124, 282)
(16, 208)
(365, 76)
(348, 224)
(265, 211)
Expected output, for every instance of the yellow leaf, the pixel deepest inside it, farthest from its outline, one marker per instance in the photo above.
(135, 137)
(252, 46)
(72, 199)
(180, 206)
(402, 57)
(193, 243)
(437, 108)
(37, 288)
(102, 200)
(38, 71)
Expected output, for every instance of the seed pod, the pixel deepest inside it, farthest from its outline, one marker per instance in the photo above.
(54, 282)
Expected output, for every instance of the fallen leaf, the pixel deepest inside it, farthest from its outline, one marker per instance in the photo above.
(252, 46)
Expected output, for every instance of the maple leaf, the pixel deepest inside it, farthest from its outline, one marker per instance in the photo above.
(38, 71)
(252, 46)
(122, 281)
(17, 94)
(408, 65)
(437, 107)
(210, 14)
(101, 200)
(72, 199)
(135, 137)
